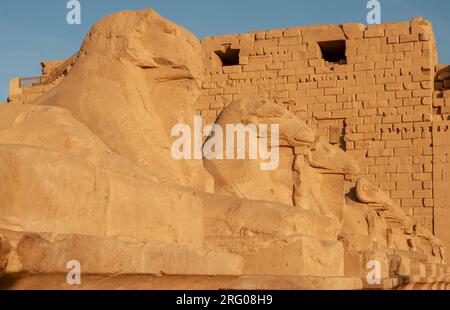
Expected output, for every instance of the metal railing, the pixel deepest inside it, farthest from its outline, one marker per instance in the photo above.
(30, 82)
(46, 80)
(62, 69)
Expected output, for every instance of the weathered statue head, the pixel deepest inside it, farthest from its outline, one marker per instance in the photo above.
(148, 41)
(296, 178)
(136, 77)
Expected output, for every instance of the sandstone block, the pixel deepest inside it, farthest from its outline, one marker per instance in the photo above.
(322, 33)
(5, 249)
(110, 256)
(301, 257)
(354, 31)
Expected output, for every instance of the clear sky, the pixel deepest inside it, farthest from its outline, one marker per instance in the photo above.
(35, 30)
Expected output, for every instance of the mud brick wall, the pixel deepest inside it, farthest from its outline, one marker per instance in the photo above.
(441, 178)
(376, 91)
(367, 89)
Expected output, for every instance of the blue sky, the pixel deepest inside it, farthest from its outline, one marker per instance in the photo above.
(35, 30)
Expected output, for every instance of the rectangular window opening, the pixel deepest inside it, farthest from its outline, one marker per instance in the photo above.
(229, 56)
(334, 51)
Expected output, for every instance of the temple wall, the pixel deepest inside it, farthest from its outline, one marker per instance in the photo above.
(376, 91)
(441, 179)
(367, 89)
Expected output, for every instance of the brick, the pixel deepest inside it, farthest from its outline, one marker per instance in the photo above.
(262, 59)
(366, 97)
(254, 67)
(232, 90)
(412, 203)
(315, 92)
(386, 95)
(232, 69)
(295, 64)
(411, 185)
(384, 65)
(393, 87)
(393, 39)
(365, 128)
(327, 84)
(404, 47)
(401, 177)
(374, 32)
(404, 160)
(397, 29)
(377, 169)
(402, 194)
(290, 41)
(403, 94)
(405, 38)
(293, 32)
(399, 144)
(322, 33)
(287, 72)
(374, 89)
(421, 93)
(334, 91)
(391, 119)
(403, 168)
(322, 115)
(275, 33)
(327, 99)
(354, 31)
(365, 66)
(423, 194)
(428, 203)
(273, 43)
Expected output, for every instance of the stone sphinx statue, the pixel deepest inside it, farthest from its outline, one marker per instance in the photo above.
(305, 161)
(136, 76)
(375, 228)
(311, 176)
(87, 175)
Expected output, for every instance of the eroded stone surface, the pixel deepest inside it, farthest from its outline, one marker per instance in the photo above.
(87, 174)
(5, 249)
(137, 76)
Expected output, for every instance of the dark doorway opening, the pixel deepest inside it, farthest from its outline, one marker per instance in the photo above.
(228, 56)
(334, 51)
